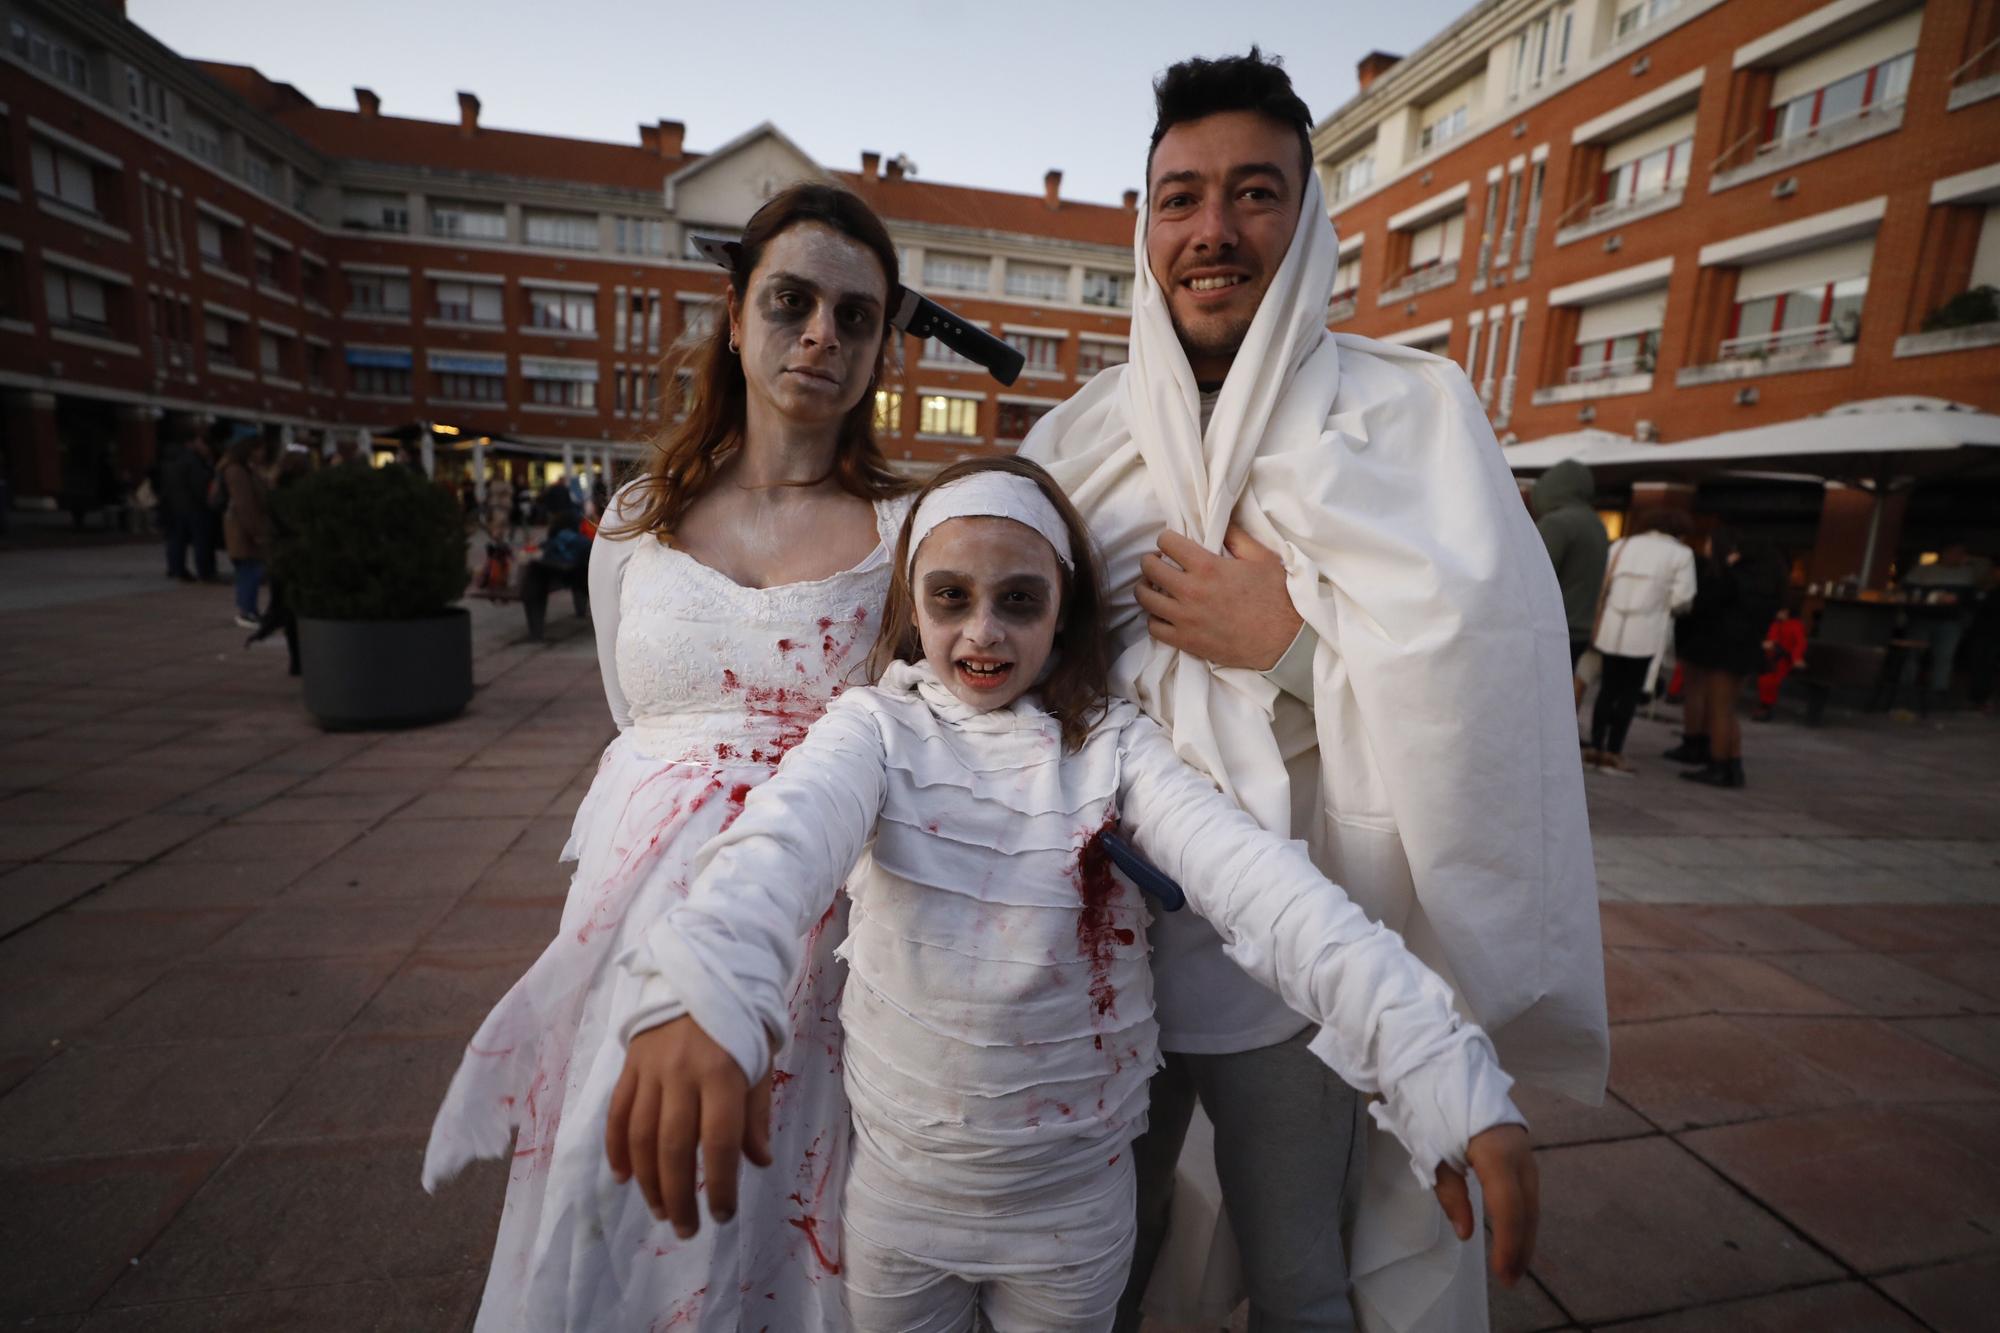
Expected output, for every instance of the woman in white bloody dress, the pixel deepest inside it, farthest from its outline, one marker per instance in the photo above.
(737, 589)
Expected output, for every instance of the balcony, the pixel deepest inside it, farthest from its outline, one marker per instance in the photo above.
(1815, 347)
(1977, 79)
(1340, 308)
(1747, 161)
(1588, 217)
(1428, 278)
(1599, 379)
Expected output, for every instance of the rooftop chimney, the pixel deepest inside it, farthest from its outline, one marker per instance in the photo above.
(468, 115)
(892, 170)
(1131, 201)
(871, 164)
(370, 104)
(1373, 66)
(1052, 188)
(672, 134)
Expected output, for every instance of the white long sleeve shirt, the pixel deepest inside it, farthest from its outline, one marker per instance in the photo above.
(998, 1010)
(1649, 580)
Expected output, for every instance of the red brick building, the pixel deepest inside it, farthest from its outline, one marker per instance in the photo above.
(1670, 218)
(182, 242)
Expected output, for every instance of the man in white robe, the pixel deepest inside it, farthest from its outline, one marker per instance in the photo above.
(1324, 583)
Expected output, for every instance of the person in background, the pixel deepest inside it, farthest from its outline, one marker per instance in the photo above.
(1741, 588)
(186, 480)
(564, 559)
(1649, 580)
(1950, 583)
(246, 523)
(1578, 545)
(1981, 650)
(278, 615)
(1784, 649)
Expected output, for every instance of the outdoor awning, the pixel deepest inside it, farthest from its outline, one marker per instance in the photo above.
(389, 358)
(1871, 440)
(468, 363)
(1537, 455)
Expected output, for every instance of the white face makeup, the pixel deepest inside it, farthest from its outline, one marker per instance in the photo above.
(809, 329)
(988, 596)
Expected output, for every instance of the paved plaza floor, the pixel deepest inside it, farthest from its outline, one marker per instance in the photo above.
(240, 958)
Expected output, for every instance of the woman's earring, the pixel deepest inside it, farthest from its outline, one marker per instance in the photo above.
(732, 344)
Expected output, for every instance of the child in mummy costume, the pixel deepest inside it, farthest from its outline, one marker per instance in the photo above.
(998, 1010)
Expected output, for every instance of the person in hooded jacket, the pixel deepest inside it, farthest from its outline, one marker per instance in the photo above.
(1577, 544)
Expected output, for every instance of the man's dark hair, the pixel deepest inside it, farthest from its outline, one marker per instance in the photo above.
(1197, 88)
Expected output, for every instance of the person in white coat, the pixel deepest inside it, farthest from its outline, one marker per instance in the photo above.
(1325, 587)
(1649, 579)
(998, 1015)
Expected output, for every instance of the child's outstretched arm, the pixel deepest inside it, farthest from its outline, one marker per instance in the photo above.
(1387, 1022)
(716, 972)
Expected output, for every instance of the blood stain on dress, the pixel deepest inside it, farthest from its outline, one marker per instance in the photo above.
(1095, 934)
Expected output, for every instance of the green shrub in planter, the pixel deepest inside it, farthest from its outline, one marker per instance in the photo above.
(370, 544)
(372, 560)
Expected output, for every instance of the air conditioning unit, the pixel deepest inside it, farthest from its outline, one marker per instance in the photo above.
(1645, 432)
(1785, 188)
(1587, 413)
(1746, 395)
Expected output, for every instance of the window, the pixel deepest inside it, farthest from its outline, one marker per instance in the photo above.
(472, 222)
(1039, 282)
(378, 294)
(1014, 420)
(888, 412)
(270, 265)
(698, 320)
(263, 174)
(312, 281)
(937, 354)
(1876, 88)
(469, 302)
(1437, 243)
(563, 231)
(568, 312)
(76, 300)
(1347, 277)
(13, 287)
(639, 236)
(957, 273)
(146, 101)
(316, 366)
(1642, 167)
(1353, 176)
(1101, 287)
(942, 414)
(563, 393)
(1800, 301)
(49, 54)
(375, 212)
(1641, 14)
(1804, 317)
(1448, 126)
(378, 381)
(1541, 51)
(64, 177)
(459, 387)
(219, 338)
(1044, 353)
(270, 353)
(204, 139)
(1095, 354)
(1618, 337)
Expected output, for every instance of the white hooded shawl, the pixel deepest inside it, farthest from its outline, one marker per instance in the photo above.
(1451, 801)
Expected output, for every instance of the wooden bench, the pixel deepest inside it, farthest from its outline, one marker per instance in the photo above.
(1830, 665)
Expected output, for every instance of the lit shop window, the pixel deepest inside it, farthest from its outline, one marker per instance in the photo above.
(942, 414)
(888, 412)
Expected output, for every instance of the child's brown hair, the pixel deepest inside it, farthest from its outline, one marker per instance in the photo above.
(1079, 674)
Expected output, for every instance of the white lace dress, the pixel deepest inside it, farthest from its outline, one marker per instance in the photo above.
(717, 682)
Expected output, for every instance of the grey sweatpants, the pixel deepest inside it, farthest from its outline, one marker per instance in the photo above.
(1288, 1142)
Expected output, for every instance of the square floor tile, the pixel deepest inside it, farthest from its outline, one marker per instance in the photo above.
(1732, 983)
(40, 887)
(1555, 1120)
(1884, 986)
(1927, 1198)
(70, 1229)
(1709, 1070)
(247, 999)
(443, 1304)
(1973, 1040)
(289, 928)
(1952, 1298)
(512, 925)
(1650, 926)
(88, 940)
(170, 886)
(1762, 930)
(286, 1216)
(1642, 1226)
(369, 1086)
(138, 839)
(1875, 1061)
(1840, 1307)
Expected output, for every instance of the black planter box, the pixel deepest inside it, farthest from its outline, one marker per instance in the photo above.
(367, 674)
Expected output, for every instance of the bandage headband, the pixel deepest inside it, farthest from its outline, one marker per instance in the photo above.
(992, 495)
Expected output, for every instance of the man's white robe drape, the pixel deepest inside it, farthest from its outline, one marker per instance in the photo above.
(1450, 799)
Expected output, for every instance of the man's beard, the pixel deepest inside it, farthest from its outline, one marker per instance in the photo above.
(1220, 339)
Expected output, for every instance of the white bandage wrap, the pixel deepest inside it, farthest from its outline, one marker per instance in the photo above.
(992, 495)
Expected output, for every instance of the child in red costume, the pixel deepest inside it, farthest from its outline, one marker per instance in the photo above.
(1784, 648)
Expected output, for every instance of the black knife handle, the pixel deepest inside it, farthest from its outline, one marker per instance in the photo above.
(928, 319)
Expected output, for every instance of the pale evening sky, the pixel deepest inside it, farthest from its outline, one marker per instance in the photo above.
(990, 95)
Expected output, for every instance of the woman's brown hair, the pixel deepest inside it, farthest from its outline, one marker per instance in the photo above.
(690, 453)
(1079, 674)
